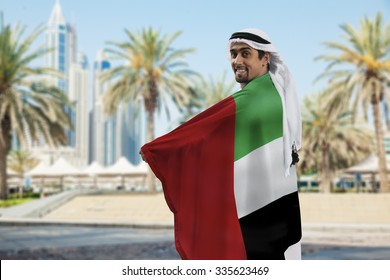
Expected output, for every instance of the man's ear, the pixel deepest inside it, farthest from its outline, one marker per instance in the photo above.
(267, 56)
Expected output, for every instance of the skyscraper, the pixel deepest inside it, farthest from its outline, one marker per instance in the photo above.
(95, 135)
(79, 87)
(61, 42)
(117, 135)
(130, 128)
(101, 134)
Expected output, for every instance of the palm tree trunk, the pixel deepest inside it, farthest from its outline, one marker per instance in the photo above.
(4, 149)
(21, 189)
(150, 137)
(325, 185)
(150, 107)
(384, 186)
(3, 171)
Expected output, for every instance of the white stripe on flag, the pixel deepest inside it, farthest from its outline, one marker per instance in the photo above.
(259, 178)
(294, 252)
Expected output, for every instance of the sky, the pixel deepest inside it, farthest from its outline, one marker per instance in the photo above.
(298, 28)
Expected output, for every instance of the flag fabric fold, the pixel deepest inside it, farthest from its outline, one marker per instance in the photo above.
(222, 174)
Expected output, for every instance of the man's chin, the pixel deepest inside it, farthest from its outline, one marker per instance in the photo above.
(241, 78)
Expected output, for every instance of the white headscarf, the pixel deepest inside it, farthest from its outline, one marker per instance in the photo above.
(284, 83)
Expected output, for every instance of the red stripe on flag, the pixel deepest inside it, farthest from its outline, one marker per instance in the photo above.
(195, 164)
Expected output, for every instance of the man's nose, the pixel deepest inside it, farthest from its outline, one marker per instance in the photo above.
(238, 59)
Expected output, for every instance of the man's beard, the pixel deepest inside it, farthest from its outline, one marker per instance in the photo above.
(241, 77)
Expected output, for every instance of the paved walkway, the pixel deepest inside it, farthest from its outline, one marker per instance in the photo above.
(85, 242)
(140, 226)
(103, 208)
(40, 207)
(123, 243)
(139, 209)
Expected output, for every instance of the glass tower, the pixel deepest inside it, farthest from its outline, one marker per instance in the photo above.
(79, 88)
(61, 41)
(117, 135)
(100, 140)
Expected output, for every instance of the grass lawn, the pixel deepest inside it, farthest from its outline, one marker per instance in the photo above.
(13, 199)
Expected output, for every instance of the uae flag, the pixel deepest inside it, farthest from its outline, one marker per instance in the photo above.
(223, 177)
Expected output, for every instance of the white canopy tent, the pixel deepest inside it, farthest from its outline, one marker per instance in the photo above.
(141, 168)
(368, 165)
(62, 168)
(124, 169)
(38, 170)
(37, 174)
(59, 170)
(93, 169)
(91, 172)
(367, 170)
(121, 167)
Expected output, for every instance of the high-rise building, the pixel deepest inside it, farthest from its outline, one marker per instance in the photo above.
(95, 136)
(131, 128)
(117, 135)
(61, 41)
(78, 95)
(101, 122)
(60, 37)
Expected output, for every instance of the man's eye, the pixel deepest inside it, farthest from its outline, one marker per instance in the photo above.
(245, 54)
(233, 55)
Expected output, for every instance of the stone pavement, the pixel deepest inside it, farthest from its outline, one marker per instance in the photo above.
(40, 207)
(140, 226)
(85, 242)
(61, 242)
(136, 209)
(351, 208)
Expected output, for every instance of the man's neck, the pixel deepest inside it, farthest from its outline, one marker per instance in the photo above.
(242, 85)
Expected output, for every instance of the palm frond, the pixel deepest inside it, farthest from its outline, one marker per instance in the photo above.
(32, 105)
(150, 69)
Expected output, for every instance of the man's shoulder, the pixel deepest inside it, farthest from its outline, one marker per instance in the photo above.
(260, 81)
(256, 85)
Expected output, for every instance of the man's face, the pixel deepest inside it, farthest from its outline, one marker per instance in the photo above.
(246, 63)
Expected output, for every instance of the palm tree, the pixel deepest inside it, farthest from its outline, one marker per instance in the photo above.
(21, 161)
(365, 56)
(330, 140)
(386, 105)
(28, 105)
(206, 94)
(151, 71)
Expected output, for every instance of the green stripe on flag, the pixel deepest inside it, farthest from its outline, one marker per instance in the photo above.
(259, 116)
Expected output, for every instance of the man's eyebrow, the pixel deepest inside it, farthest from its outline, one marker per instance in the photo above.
(239, 50)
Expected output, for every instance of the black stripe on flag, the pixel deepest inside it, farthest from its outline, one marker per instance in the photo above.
(270, 230)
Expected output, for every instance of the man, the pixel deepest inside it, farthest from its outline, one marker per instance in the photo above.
(228, 173)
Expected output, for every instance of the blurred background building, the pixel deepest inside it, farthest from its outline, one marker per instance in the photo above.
(95, 136)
